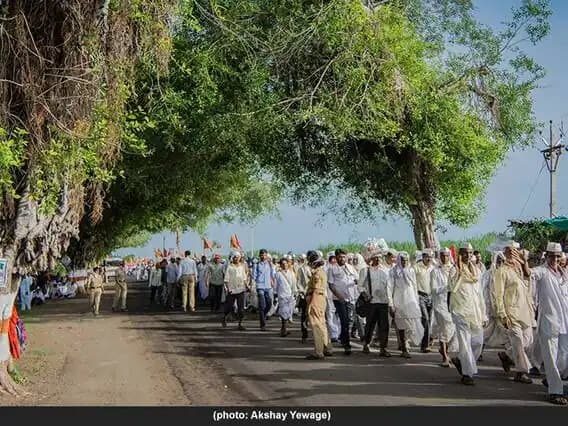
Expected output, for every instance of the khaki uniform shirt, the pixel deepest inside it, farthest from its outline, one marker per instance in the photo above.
(318, 282)
(95, 281)
(120, 276)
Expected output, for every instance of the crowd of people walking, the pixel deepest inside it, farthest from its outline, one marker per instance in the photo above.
(444, 298)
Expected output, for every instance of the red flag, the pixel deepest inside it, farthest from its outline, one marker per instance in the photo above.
(207, 245)
(453, 252)
(235, 243)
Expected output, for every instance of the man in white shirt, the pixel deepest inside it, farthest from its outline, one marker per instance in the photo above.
(375, 284)
(552, 295)
(341, 279)
(423, 270)
(236, 283)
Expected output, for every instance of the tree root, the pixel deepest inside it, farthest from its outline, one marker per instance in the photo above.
(8, 385)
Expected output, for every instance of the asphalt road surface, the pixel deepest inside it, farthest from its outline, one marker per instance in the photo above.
(264, 368)
(149, 356)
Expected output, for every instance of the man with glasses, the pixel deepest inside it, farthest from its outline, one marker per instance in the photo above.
(552, 294)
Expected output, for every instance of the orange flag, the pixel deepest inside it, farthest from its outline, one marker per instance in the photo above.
(235, 243)
(207, 245)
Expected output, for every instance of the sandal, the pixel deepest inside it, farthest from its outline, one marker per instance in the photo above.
(557, 399)
(522, 378)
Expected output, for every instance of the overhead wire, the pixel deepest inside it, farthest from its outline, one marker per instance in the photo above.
(533, 188)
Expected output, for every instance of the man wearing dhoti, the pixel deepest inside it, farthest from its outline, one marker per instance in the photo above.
(552, 324)
(286, 288)
(468, 312)
(514, 310)
(443, 323)
(406, 308)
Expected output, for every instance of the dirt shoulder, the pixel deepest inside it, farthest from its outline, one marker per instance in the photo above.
(76, 359)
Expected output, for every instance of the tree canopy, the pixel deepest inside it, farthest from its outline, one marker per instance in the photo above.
(407, 107)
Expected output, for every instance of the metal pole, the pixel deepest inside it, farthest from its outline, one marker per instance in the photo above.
(552, 156)
(552, 189)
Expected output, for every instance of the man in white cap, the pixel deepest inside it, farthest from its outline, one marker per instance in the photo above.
(406, 308)
(375, 284)
(552, 323)
(513, 308)
(423, 269)
(468, 312)
(443, 324)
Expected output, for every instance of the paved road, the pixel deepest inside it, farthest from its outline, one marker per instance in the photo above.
(216, 365)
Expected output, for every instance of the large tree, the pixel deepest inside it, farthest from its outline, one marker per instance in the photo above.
(65, 75)
(190, 170)
(406, 107)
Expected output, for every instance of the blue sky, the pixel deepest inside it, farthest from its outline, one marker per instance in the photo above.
(300, 229)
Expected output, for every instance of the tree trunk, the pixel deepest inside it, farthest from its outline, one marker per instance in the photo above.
(423, 225)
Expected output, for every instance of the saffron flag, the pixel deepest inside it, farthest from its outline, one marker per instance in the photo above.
(235, 243)
(453, 253)
(207, 245)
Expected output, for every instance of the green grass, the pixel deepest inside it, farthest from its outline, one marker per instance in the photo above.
(480, 243)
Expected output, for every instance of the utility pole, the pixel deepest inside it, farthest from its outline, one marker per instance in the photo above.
(552, 156)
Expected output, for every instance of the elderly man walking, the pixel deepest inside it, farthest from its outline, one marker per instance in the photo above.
(444, 327)
(468, 312)
(513, 308)
(552, 324)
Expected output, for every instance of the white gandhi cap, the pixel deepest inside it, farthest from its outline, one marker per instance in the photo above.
(554, 248)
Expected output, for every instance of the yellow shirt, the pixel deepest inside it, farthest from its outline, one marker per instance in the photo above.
(511, 295)
(466, 299)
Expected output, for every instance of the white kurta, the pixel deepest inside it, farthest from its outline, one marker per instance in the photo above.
(552, 325)
(407, 314)
(286, 289)
(494, 334)
(443, 324)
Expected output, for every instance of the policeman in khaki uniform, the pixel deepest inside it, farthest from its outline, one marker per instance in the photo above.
(95, 287)
(120, 289)
(316, 298)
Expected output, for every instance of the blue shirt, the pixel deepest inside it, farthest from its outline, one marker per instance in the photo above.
(263, 275)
